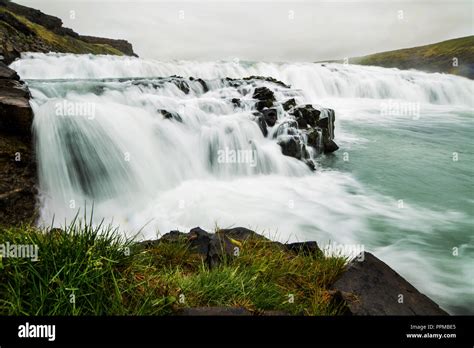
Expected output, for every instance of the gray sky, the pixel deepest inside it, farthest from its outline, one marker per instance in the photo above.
(308, 30)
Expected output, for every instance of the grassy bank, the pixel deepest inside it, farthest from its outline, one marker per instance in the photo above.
(94, 271)
(454, 56)
(19, 34)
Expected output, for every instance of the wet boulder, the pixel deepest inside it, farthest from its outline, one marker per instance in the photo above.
(220, 249)
(270, 116)
(203, 84)
(306, 116)
(16, 115)
(371, 287)
(7, 73)
(326, 123)
(261, 123)
(289, 104)
(291, 146)
(236, 102)
(179, 82)
(241, 233)
(330, 146)
(264, 96)
(268, 79)
(314, 138)
(170, 115)
(199, 240)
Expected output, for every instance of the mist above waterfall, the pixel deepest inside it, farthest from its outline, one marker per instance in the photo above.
(308, 30)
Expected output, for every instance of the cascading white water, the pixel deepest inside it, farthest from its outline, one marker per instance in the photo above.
(315, 80)
(140, 169)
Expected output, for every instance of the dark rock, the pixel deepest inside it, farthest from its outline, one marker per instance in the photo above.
(17, 159)
(270, 116)
(304, 248)
(289, 104)
(17, 37)
(50, 22)
(338, 300)
(7, 73)
(13, 89)
(314, 138)
(170, 115)
(173, 236)
(268, 79)
(241, 233)
(236, 102)
(263, 93)
(214, 248)
(170, 237)
(306, 116)
(326, 122)
(122, 45)
(214, 311)
(203, 84)
(199, 240)
(221, 248)
(291, 146)
(330, 146)
(179, 82)
(264, 96)
(310, 163)
(376, 289)
(16, 115)
(262, 104)
(15, 23)
(262, 124)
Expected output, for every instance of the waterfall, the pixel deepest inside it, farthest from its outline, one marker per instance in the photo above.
(174, 145)
(315, 80)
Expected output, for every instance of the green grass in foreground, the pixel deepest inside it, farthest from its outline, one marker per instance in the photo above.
(93, 265)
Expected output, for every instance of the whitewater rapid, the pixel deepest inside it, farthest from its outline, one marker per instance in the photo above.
(154, 175)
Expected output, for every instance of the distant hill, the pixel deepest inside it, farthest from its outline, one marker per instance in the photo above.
(438, 57)
(24, 29)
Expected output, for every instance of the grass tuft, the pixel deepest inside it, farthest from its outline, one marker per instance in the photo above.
(89, 270)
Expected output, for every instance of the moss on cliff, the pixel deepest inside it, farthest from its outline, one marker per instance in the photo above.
(19, 34)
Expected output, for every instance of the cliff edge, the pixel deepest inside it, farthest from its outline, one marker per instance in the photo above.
(24, 29)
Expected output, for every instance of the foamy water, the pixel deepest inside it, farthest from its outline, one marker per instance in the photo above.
(393, 186)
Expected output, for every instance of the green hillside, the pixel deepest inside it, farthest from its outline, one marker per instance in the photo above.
(23, 29)
(438, 57)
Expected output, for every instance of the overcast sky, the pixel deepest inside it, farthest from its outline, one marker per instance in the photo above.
(308, 30)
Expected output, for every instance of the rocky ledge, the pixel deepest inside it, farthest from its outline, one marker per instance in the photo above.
(368, 286)
(17, 160)
(24, 29)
